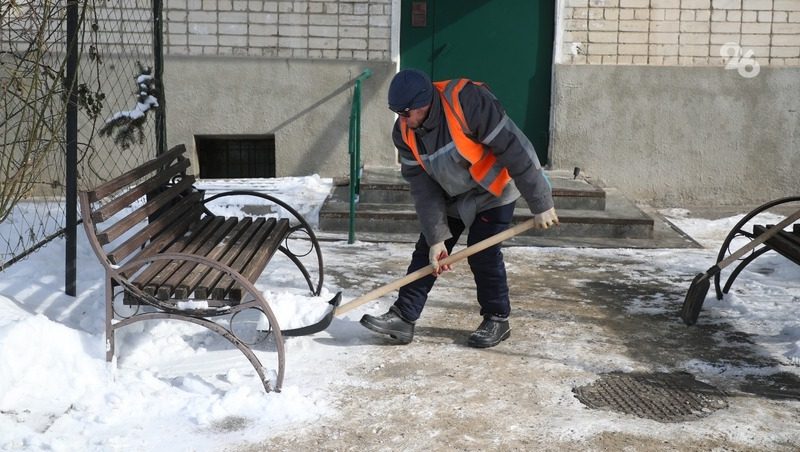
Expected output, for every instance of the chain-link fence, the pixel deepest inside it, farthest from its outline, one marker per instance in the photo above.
(118, 70)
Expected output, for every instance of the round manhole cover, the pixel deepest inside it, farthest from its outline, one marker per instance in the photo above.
(665, 397)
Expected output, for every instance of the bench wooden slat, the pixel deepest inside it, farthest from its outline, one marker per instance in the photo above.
(205, 245)
(160, 200)
(206, 286)
(158, 180)
(785, 243)
(152, 277)
(162, 240)
(257, 265)
(126, 179)
(249, 251)
(189, 284)
(182, 213)
(181, 245)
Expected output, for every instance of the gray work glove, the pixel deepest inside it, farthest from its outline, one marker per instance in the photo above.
(438, 252)
(545, 219)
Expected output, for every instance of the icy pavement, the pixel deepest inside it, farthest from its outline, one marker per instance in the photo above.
(578, 314)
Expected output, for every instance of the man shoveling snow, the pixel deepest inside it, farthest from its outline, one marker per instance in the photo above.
(466, 163)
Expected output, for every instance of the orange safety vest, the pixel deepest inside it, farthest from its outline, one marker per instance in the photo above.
(481, 159)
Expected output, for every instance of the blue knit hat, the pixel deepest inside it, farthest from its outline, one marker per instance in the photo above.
(410, 89)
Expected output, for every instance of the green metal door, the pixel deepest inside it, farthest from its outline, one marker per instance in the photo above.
(506, 43)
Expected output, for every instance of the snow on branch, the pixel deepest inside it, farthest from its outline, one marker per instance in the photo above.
(129, 124)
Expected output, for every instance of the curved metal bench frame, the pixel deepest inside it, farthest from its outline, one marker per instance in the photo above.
(739, 231)
(198, 316)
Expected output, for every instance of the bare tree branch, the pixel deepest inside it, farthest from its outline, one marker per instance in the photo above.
(33, 91)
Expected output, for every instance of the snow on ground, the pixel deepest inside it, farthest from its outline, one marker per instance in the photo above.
(303, 194)
(176, 386)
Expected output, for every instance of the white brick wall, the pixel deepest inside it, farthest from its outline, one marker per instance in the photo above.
(329, 29)
(679, 32)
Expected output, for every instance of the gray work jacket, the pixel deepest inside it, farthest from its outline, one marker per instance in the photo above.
(447, 187)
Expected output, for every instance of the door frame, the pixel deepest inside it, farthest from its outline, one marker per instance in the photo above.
(558, 37)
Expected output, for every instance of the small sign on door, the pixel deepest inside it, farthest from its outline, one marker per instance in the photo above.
(419, 14)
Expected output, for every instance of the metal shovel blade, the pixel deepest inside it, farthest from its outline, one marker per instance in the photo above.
(319, 326)
(695, 297)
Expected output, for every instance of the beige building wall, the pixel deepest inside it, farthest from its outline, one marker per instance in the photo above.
(680, 102)
(284, 68)
(681, 32)
(333, 30)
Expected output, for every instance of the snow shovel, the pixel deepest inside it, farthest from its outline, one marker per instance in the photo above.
(409, 278)
(699, 288)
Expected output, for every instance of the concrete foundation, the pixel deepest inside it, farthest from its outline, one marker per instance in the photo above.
(680, 135)
(305, 103)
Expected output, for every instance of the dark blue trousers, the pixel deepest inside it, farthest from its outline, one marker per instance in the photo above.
(487, 266)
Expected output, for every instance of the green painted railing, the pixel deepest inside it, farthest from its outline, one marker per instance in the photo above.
(354, 147)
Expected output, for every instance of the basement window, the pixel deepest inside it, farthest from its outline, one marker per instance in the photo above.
(236, 156)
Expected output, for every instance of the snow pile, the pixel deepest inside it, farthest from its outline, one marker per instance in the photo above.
(294, 310)
(303, 194)
(193, 390)
(60, 393)
(49, 350)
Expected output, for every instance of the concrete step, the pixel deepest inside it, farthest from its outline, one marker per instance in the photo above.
(386, 186)
(590, 216)
(620, 219)
(385, 206)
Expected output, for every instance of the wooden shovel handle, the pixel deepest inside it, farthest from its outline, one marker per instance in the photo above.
(425, 271)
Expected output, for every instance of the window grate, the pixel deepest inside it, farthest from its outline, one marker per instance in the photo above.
(236, 156)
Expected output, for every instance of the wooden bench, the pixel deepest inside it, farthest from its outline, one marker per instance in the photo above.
(170, 257)
(785, 243)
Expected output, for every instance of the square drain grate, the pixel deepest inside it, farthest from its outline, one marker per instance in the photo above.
(665, 397)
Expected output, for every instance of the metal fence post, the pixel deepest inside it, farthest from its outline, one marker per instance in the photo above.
(71, 182)
(158, 73)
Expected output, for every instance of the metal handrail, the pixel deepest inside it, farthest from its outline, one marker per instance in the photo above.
(354, 148)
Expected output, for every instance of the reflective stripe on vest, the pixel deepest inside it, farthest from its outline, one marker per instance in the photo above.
(484, 168)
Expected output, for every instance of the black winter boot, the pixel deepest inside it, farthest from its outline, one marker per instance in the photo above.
(491, 332)
(391, 324)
